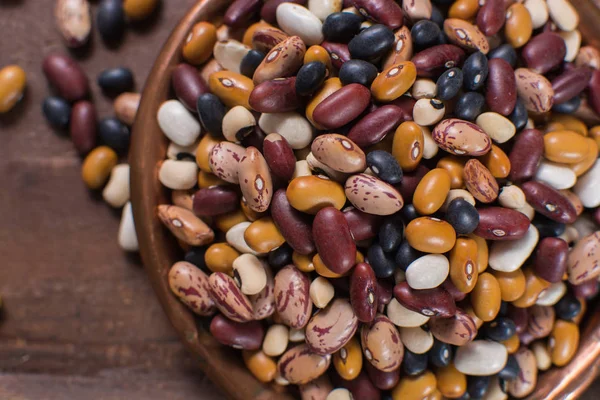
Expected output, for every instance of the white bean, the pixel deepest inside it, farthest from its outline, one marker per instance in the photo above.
(127, 236)
(116, 191)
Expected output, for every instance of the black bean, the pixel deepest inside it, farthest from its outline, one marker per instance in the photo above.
(477, 386)
(503, 309)
(196, 256)
(511, 369)
(254, 138)
(463, 217)
(383, 265)
(341, 27)
(409, 212)
(500, 329)
(425, 33)
(110, 20)
(440, 354)
(449, 84)
(469, 105)
(475, 70)
(358, 71)
(547, 227)
(405, 255)
(57, 111)
(211, 112)
(391, 233)
(281, 256)
(310, 77)
(519, 115)
(384, 165)
(568, 307)
(505, 52)
(114, 134)
(437, 16)
(413, 363)
(568, 107)
(372, 43)
(250, 62)
(115, 81)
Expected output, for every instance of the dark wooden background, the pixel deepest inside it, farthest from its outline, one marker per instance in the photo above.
(80, 320)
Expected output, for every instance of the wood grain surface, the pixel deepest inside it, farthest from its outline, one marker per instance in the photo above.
(80, 320)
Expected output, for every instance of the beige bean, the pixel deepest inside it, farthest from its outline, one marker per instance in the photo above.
(276, 340)
(321, 292)
(563, 14)
(238, 123)
(497, 126)
(235, 238)
(249, 274)
(127, 236)
(511, 197)
(178, 175)
(428, 111)
(455, 194)
(185, 225)
(423, 88)
(292, 126)
(402, 316)
(116, 191)
(417, 339)
(125, 107)
(229, 54)
(573, 42)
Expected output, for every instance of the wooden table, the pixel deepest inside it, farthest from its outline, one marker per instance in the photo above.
(80, 319)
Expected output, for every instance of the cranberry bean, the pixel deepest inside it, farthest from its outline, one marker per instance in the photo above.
(229, 299)
(381, 344)
(338, 153)
(192, 287)
(457, 330)
(275, 96)
(317, 389)
(551, 259)
(215, 200)
(364, 292)
(431, 62)
(534, 90)
(373, 127)
(385, 292)
(83, 126)
(549, 202)
(362, 226)
(584, 259)
(279, 156)
(525, 155)
(266, 38)
(490, 17)
(333, 240)
(188, 85)
(501, 88)
(299, 365)
(570, 83)
(331, 328)
(342, 106)
(372, 195)
(480, 182)
(499, 223)
(429, 302)
(66, 76)
(283, 60)
(386, 12)
(544, 52)
(461, 137)
(292, 298)
(246, 336)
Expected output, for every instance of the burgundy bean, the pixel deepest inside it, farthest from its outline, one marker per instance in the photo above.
(292, 298)
(594, 91)
(410, 180)
(386, 12)
(264, 39)
(373, 127)
(363, 226)
(458, 330)
(240, 11)
(499, 223)
(456, 294)
(188, 85)
(215, 200)
(246, 336)
(267, 12)
(490, 17)
(586, 290)
(279, 156)
(549, 202)
(294, 226)
(551, 259)
(342, 106)
(83, 126)
(275, 96)
(544, 52)
(501, 87)
(338, 52)
(519, 316)
(229, 299)
(570, 83)
(432, 62)
(66, 76)
(406, 104)
(333, 240)
(429, 302)
(525, 155)
(361, 387)
(385, 292)
(363, 292)
(381, 379)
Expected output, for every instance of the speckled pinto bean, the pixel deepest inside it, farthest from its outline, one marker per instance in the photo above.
(330, 329)
(215, 200)
(535, 90)
(223, 160)
(466, 35)
(499, 223)
(266, 38)
(293, 225)
(372, 195)
(501, 87)
(428, 302)
(263, 303)
(526, 380)
(275, 96)
(381, 344)
(299, 365)
(192, 287)
(541, 320)
(433, 61)
(282, 60)
(317, 389)
(549, 202)
(255, 180)
(342, 106)
(480, 182)
(551, 259)
(245, 336)
(339, 153)
(457, 330)
(229, 299)
(333, 240)
(364, 292)
(461, 138)
(373, 127)
(184, 225)
(292, 298)
(526, 155)
(386, 12)
(583, 263)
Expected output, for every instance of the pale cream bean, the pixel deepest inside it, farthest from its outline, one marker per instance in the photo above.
(177, 123)
(423, 88)
(417, 339)
(497, 126)
(552, 294)
(427, 272)
(428, 112)
(116, 191)
(538, 11)
(563, 14)
(542, 355)
(127, 237)
(175, 151)
(249, 274)
(556, 175)
(588, 187)
(235, 238)
(339, 394)
(276, 340)
(73, 19)
(302, 169)
(402, 316)
(292, 126)
(573, 42)
(527, 210)
(511, 197)
(296, 20)
(510, 255)
(322, 8)
(178, 175)
(430, 147)
(480, 358)
(296, 335)
(496, 390)
(238, 123)
(321, 292)
(229, 54)
(280, 380)
(455, 194)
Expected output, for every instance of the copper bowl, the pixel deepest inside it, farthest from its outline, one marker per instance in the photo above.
(159, 249)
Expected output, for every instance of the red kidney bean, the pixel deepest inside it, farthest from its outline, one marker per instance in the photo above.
(519, 316)
(430, 302)
(549, 202)
(216, 200)
(83, 126)
(276, 96)
(597, 216)
(279, 156)
(525, 155)
(264, 39)
(240, 11)
(363, 226)
(373, 127)
(490, 17)
(294, 226)
(544, 52)
(333, 240)
(406, 104)
(499, 223)
(456, 294)
(267, 12)
(342, 106)
(594, 91)
(188, 85)
(338, 52)
(551, 259)
(410, 180)
(246, 336)
(229, 299)
(433, 61)
(363, 292)
(386, 12)
(292, 299)
(381, 379)
(501, 87)
(385, 292)
(361, 387)
(586, 290)
(570, 83)
(66, 76)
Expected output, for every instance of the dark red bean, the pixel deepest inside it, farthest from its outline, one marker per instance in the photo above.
(333, 240)
(520, 316)
(246, 336)
(240, 11)
(457, 295)
(406, 104)
(380, 379)
(410, 180)
(544, 52)
(432, 62)
(361, 387)
(293, 225)
(338, 52)
(499, 223)
(66, 76)
(363, 226)
(279, 156)
(363, 292)
(525, 155)
(551, 259)
(215, 200)
(373, 127)
(490, 17)
(83, 126)
(385, 292)
(269, 8)
(255, 138)
(386, 12)
(342, 106)
(526, 338)
(597, 216)
(501, 87)
(586, 290)
(276, 96)
(570, 83)
(594, 91)
(549, 202)
(188, 85)
(430, 302)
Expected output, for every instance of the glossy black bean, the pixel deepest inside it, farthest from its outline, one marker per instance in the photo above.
(449, 84)
(503, 309)
(568, 307)
(196, 256)
(391, 233)
(280, 257)
(437, 16)
(310, 77)
(511, 369)
(383, 264)
(358, 71)
(505, 52)
(340, 27)
(409, 212)
(519, 115)
(250, 62)
(500, 329)
(254, 138)
(463, 217)
(387, 396)
(425, 34)
(115, 81)
(464, 396)
(114, 134)
(547, 227)
(372, 43)
(405, 255)
(412, 363)
(211, 112)
(440, 354)
(443, 2)
(475, 71)
(57, 111)
(477, 386)
(568, 107)
(469, 105)
(384, 165)
(110, 20)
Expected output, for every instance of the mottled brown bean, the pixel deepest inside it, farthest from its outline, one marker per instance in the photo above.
(429, 302)
(499, 223)
(331, 328)
(299, 365)
(501, 87)
(245, 336)
(549, 202)
(525, 155)
(373, 127)
(381, 344)
(363, 292)
(292, 299)
(333, 240)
